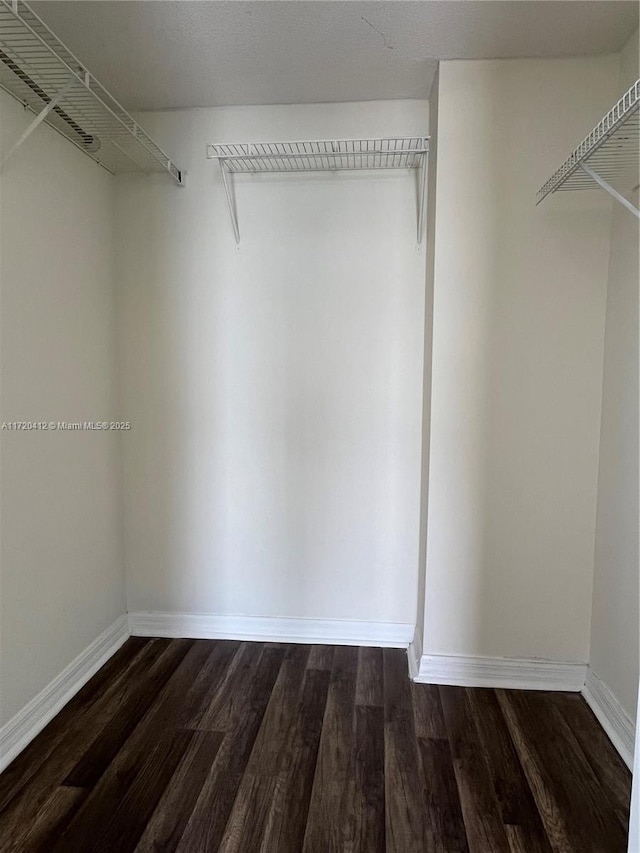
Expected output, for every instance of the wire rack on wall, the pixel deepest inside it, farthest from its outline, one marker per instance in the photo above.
(322, 155)
(608, 157)
(38, 70)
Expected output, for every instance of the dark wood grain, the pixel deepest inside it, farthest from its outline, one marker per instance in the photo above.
(247, 824)
(285, 829)
(369, 684)
(321, 657)
(106, 746)
(112, 787)
(406, 827)
(368, 781)
(329, 812)
(206, 681)
(607, 830)
(443, 815)
(561, 778)
(83, 710)
(262, 782)
(242, 715)
(427, 711)
(610, 769)
(480, 808)
(21, 810)
(52, 818)
(270, 750)
(72, 728)
(554, 817)
(128, 820)
(227, 702)
(203, 745)
(166, 826)
(515, 800)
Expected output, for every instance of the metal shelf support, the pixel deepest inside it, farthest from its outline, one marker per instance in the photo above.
(226, 181)
(40, 117)
(608, 188)
(422, 195)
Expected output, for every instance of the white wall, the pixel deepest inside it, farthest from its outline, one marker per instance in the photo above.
(517, 362)
(62, 580)
(273, 468)
(616, 616)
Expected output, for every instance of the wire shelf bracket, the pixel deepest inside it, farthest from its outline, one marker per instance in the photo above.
(607, 157)
(331, 155)
(40, 117)
(39, 71)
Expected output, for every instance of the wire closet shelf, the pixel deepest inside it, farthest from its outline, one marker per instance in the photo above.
(322, 155)
(608, 157)
(38, 70)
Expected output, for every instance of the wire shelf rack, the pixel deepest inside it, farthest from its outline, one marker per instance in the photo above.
(321, 155)
(38, 70)
(608, 157)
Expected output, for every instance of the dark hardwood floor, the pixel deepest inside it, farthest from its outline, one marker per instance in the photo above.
(265, 748)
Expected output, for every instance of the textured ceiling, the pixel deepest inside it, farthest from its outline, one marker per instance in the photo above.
(164, 54)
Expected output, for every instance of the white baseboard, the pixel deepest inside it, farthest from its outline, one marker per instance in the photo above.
(27, 723)
(208, 626)
(611, 716)
(414, 654)
(510, 673)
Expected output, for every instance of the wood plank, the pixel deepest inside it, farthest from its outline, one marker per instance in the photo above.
(443, 813)
(247, 825)
(330, 809)
(263, 779)
(166, 826)
(368, 824)
(589, 790)
(574, 807)
(285, 829)
(271, 748)
(370, 680)
(193, 682)
(51, 820)
(107, 680)
(21, 811)
(611, 771)
(227, 702)
(321, 657)
(516, 802)
(207, 682)
(427, 712)
(111, 789)
(125, 824)
(404, 787)
(205, 828)
(519, 839)
(558, 831)
(102, 751)
(480, 809)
